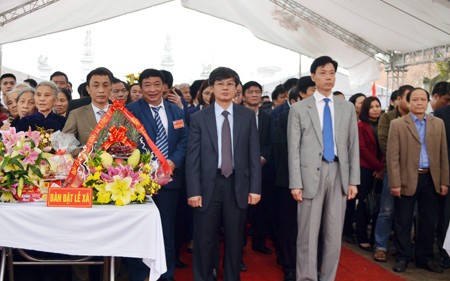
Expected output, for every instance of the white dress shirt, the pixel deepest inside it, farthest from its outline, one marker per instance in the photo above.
(98, 116)
(320, 104)
(219, 122)
(162, 115)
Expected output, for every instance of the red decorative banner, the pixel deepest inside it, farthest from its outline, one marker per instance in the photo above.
(117, 105)
(69, 197)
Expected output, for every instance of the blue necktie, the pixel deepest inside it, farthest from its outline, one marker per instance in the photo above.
(327, 132)
(161, 137)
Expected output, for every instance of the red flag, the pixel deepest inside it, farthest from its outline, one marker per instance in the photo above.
(374, 90)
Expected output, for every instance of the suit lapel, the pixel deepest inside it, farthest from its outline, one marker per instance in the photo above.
(90, 115)
(314, 115)
(145, 107)
(236, 124)
(337, 117)
(412, 127)
(170, 120)
(211, 125)
(429, 130)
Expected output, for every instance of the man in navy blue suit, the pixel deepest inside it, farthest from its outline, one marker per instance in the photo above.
(166, 127)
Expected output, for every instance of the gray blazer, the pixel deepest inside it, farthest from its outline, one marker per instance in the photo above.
(305, 145)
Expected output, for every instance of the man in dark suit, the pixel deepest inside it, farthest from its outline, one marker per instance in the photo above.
(166, 127)
(287, 211)
(259, 214)
(444, 202)
(223, 175)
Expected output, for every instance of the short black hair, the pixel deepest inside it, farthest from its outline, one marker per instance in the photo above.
(8, 75)
(59, 73)
(354, 97)
(294, 94)
(365, 108)
(290, 83)
(195, 86)
(222, 73)
(31, 82)
(82, 90)
(394, 95)
(150, 72)
(408, 95)
(249, 84)
(117, 80)
(441, 88)
(277, 91)
(403, 89)
(304, 83)
(167, 78)
(100, 71)
(66, 93)
(322, 61)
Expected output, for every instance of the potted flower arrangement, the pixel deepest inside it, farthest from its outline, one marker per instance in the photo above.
(117, 164)
(23, 165)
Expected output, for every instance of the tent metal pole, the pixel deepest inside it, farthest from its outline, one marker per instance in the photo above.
(1, 54)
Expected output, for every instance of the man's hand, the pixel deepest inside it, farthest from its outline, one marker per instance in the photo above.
(297, 194)
(395, 191)
(379, 175)
(195, 201)
(171, 165)
(253, 198)
(352, 191)
(444, 190)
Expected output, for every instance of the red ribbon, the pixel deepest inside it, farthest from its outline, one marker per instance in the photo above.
(117, 105)
(117, 135)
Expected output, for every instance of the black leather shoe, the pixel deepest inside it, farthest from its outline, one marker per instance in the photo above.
(263, 250)
(180, 264)
(445, 262)
(289, 276)
(400, 266)
(242, 266)
(167, 279)
(431, 266)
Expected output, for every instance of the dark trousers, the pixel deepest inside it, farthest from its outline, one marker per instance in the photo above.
(427, 200)
(222, 208)
(166, 201)
(443, 223)
(260, 215)
(362, 216)
(287, 229)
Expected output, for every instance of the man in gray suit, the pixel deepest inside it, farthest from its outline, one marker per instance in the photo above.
(223, 176)
(323, 171)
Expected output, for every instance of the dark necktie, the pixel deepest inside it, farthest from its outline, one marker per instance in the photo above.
(227, 157)
(100, 113)
(161, 137)
(327, 131)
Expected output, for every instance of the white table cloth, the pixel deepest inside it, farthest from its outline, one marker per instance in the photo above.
(130, 231)
(447, 240)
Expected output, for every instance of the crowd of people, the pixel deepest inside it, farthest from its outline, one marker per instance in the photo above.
(304, 169)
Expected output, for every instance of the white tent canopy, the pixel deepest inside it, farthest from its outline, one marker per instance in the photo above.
(353, 32)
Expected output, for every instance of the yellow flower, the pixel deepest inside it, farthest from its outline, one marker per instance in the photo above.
(7, 197)
(103, 196)
(93, 177)
(145, 179)
(120, 190)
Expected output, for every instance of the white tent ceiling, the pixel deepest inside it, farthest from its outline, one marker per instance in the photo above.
(351, 31)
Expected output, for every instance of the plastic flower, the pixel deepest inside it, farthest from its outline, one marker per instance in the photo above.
(7, 197)
(120, 190)
(103, 196)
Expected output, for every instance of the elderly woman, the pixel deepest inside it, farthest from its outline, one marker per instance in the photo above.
(45, 99)
(11, 104)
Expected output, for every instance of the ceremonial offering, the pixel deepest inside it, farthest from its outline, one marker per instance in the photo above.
(119, 162)
(23, 166)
